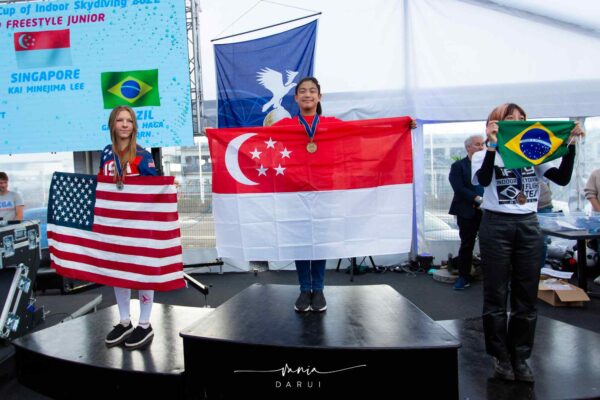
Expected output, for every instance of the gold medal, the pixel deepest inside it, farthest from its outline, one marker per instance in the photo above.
(311, 147)
(521, 198)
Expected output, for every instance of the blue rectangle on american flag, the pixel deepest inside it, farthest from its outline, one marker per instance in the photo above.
(126, 237)
(71, 200)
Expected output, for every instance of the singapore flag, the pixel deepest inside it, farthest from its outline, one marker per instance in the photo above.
(274, 200)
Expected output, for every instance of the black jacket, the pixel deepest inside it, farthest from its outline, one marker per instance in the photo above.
(463, 202)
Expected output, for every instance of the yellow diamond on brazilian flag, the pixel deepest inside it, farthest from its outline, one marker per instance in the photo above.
(526, 143)
(130, 88)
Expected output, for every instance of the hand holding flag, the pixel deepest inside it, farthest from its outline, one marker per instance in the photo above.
(576, 133)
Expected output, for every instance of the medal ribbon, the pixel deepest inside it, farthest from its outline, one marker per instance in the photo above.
(310, 130)
(117, 162)
(517, 172)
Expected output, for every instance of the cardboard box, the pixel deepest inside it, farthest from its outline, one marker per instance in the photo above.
(561, 294)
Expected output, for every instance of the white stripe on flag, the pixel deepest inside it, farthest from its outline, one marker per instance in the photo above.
(136, 189)
(122, 240)
(44, 58)
(314, 225)
(117, 274)
(115, 257)
(132, 206)
(134, 224)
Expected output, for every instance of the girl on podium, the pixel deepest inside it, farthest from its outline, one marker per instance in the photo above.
(120, 159)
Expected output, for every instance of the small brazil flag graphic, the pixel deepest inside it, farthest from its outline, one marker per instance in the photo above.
(130, 88)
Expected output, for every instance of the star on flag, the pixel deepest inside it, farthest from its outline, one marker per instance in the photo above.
(273, 155)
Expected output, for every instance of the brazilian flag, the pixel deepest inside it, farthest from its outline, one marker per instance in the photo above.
(130, 88)
(526, 143)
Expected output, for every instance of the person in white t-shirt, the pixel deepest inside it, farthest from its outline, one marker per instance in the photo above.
(11, 203)
(511, 242)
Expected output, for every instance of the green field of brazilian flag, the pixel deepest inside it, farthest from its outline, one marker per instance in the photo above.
(130, 88)
(526, 143)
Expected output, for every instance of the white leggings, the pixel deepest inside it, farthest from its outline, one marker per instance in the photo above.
(123, 299)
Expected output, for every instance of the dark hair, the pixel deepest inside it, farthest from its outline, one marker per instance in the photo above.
(316, 82)
(3, 176)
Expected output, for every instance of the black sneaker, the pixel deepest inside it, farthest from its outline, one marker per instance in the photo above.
(118, 334)
(522, 371)
(303, 302)
(139, 338)
(503, 370)
(317, 301)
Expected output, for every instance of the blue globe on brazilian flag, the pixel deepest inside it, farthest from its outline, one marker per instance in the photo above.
(130, 88)
(526, 143)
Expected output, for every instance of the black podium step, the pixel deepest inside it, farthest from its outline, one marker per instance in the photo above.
(370, 342)
(70, 360)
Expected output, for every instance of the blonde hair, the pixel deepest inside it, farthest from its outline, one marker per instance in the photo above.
(131, 150)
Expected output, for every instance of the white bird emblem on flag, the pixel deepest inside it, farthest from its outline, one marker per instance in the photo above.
(273, 81)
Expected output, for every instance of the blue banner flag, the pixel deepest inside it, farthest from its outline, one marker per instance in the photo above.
(256, 78)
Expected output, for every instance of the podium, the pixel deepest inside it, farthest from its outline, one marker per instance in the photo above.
(369, 338)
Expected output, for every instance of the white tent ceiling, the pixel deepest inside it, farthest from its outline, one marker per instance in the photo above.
(438, 60)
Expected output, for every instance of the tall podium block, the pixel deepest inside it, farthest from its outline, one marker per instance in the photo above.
(370, 342)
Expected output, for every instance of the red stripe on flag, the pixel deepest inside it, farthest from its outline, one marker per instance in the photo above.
(41, 40)
(116, 248)
(120, 266)
(137, 233)
(137, 215)
(137, 198)
(140, 180)
(350, 155)
(109, 281)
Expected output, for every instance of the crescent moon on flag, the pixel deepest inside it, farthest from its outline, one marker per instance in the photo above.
(20, 40)
(231, 159)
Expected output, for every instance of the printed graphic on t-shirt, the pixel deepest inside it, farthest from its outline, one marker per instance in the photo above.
(109, 169)
(509, 187)
(7, 204)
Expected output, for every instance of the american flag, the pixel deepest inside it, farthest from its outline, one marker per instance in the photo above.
(125, 238)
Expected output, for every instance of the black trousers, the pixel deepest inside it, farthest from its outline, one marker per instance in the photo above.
(511, 252)
(467, 229)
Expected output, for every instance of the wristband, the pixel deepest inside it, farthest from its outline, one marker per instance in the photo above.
(492, 145)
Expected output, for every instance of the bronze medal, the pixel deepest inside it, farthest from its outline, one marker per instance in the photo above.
(521, 198)
(311, 147)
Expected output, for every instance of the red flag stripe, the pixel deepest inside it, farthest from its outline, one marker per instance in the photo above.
(120, 266)
(109, 281)
(350, 155)
(42, 40)
(112, 238)
(140, 180)
(137, 198)
(116, 248)
(137, 215)
(137, 233)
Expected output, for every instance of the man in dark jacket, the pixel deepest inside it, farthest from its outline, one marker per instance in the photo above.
(465, 205)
